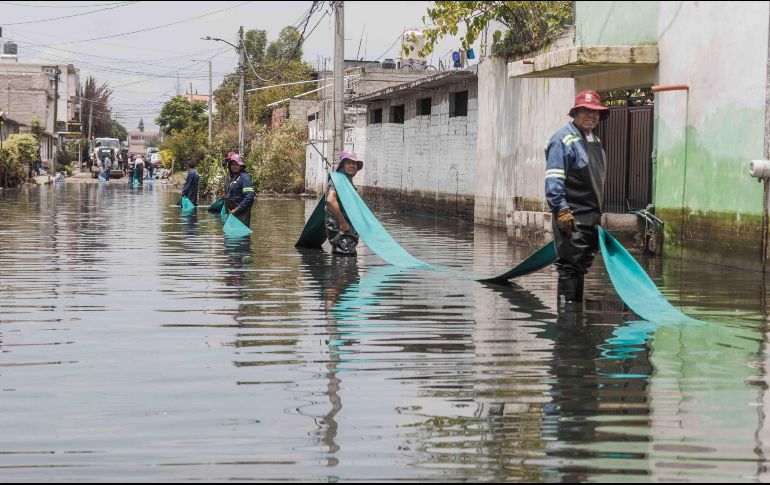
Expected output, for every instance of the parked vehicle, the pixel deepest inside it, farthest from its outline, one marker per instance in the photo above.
(101, 148)
(150, 151)
(156, 159)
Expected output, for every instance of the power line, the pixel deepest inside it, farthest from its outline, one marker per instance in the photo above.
(68, 6)
(391, 46)
(300, 41)
(144, 30)
(125, 4)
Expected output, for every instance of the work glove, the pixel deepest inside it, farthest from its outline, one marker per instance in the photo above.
(565, 222)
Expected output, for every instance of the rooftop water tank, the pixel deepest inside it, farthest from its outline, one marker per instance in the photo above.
(412, 41)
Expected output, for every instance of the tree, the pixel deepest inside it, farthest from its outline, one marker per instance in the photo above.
(97, 99)
(286, 47)
(277, 159)
(118, 131)
(255, 42)
(180, 112)
(278, 62)
(530, 25)
(189, 143)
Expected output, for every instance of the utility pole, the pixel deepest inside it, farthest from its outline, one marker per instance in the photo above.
(56, 116)
(90, 127)
(339, 76)
(211, 95)
(177, 84)
(241, 93)
(191, 98)
(8, 106)
(80, 119)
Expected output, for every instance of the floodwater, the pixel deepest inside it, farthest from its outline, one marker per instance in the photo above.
(137, 344)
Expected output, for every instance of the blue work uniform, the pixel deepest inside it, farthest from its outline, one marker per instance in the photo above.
(239, 195)
(574, 180)
(190, 189)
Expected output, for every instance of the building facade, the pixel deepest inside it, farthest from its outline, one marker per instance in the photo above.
(420, 141)
(320, 116)
(31, 96)
(707, 115)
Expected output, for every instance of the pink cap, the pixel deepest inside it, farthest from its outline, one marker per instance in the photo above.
(234, 157)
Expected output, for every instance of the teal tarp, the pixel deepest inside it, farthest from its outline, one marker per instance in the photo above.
(631, 282)
(635, 288)
(216, 206)
(314, 233)
(223, 214)
(187, 205)
(380, 242)
(235, 228)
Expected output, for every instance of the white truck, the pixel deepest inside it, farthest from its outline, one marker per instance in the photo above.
(102, 148)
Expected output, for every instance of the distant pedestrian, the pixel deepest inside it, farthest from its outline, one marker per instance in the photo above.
(341, 234)
(190, 189)
(107, 163)
(150, 169)
(38, 165)
(139, 169)
(239, 194)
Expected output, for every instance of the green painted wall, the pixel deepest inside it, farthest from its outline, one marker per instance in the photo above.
(715, 199)
(616, 23)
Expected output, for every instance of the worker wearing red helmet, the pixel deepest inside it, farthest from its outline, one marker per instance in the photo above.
(239, 189)
(574, 188)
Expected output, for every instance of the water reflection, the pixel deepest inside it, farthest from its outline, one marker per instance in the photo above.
(134, 339)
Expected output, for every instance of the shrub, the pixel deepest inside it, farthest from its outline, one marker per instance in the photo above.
(17, 156)
(277, 159)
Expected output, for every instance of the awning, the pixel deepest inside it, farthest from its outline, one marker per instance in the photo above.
(584, 61)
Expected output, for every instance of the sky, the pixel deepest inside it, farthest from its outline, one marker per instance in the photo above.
(142, 66)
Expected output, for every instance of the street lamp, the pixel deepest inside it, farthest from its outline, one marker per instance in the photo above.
(208, 37)
(241, 88)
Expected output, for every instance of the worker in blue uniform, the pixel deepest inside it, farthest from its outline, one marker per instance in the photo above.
(239, 191)
(574, 188)
(190, 189)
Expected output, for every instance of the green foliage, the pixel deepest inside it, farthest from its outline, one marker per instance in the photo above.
(118, 131)
(286, 47)
(275, 63)
(36, 128)
(186, 144)
(180, 113)
(529, 25)
(96, 101)
(212, 170)
(277, 159)
(255, 42)
(16, 158)
(66, 155)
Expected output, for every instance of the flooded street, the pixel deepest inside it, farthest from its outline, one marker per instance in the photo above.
(137, 343)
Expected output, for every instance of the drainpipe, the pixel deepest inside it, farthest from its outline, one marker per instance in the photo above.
(680, 87)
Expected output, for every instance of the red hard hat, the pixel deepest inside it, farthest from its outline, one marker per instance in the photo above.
(590, 100)
(234, 157)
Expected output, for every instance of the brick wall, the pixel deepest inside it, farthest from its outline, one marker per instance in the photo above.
(426, 164)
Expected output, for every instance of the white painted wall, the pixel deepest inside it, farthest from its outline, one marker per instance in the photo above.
(429, 154)
(516, 119)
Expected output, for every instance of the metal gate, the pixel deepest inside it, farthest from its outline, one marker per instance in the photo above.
(627, 139)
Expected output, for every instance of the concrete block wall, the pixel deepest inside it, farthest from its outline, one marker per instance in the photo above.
(426, 164)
